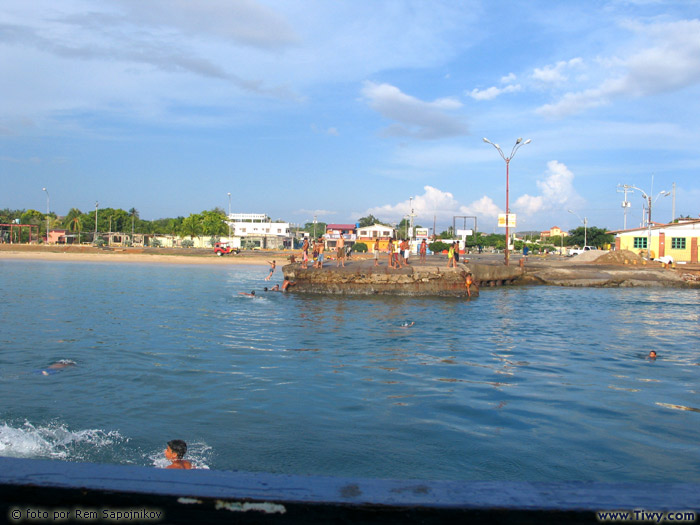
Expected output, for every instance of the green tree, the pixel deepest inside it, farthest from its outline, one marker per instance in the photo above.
(320, 228)
(592, 235)
(370, 220)
(7, 215)
(438, 246)
(213, 222)
(191, 226)
(75, 224)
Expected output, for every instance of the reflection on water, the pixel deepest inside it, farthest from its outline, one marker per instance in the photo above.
(522, 384)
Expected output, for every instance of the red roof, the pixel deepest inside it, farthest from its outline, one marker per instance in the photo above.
(340, 226)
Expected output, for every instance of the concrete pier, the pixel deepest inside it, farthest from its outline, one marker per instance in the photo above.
(361, 277)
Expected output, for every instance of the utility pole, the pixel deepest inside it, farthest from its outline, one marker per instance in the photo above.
(625, 203)
(673, 206)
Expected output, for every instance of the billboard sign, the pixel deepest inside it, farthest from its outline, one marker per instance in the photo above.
(421, 233)
(502, 220)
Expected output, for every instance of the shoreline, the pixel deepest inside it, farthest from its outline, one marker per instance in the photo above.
(134, 258)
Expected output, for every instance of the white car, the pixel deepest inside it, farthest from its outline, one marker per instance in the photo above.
(580, 251)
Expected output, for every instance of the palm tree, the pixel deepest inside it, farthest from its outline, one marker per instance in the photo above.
(134, 215)
(75, 222)
(191, 226)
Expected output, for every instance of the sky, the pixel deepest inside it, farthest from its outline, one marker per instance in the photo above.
(340, 109)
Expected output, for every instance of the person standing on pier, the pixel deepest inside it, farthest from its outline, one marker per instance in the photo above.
(340, 251)
(451, 256)
(305, 253)
(390, 249)
(320, 252)
(376, 251)
(423, 250)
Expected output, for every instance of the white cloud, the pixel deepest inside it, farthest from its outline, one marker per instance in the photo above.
(508, 79)
(556, 73)
(484, 208)
(435, 203)
(557, 189)
(528, 204)
(415, 118)
(493, 92)
(671, 64)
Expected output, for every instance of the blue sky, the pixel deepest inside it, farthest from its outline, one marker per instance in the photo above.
(343, 108)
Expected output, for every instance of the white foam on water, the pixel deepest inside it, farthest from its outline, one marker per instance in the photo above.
(53, 441)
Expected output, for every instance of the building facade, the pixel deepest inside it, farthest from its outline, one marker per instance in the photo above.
(554, 231)
(678, 240)
(256, 230)
(369, 234)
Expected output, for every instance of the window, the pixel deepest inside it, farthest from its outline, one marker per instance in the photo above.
(678, 243)
(640, 242)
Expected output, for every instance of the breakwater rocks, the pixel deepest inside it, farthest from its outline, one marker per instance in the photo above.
(363, 278)
(606, 276)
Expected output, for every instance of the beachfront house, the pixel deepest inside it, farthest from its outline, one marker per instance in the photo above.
(678, 240)
(369, 234)
(334, 231)
(256, 230)
(554, 231)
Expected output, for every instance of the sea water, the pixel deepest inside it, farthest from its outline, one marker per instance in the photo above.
(522, 383)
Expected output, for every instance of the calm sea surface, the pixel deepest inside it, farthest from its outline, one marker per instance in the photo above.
(537, 383)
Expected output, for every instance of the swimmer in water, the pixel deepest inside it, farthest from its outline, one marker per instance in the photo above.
(251, 294)
(286, 284)
(408, 324)
(652, 355)
(58, 365)
(174, 453)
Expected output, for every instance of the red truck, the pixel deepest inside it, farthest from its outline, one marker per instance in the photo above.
(223, 248)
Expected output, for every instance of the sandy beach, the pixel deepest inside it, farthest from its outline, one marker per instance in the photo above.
(94, 255)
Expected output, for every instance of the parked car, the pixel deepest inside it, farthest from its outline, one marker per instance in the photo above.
(573, 251)
(224, 248)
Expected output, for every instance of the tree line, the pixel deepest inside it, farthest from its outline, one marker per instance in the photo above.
(207, 222)
(212, 223)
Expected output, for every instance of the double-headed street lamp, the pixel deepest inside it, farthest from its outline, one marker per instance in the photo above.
(518, 144)
(650, 201)
(585, 228)
(47, 215)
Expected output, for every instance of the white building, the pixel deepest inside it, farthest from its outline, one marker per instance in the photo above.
(256, 230)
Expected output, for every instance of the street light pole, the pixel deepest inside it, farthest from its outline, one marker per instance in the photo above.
(314, 227)
(229, 216)
(94, 239)
(585, 228)
(47, 215)
(518, 144)
(650, 201)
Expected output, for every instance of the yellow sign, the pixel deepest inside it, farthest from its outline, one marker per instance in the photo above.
(502, 220)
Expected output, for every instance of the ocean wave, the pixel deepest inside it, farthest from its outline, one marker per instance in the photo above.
(54, 441)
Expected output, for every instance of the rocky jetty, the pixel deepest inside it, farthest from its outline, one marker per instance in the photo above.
(363, 278)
